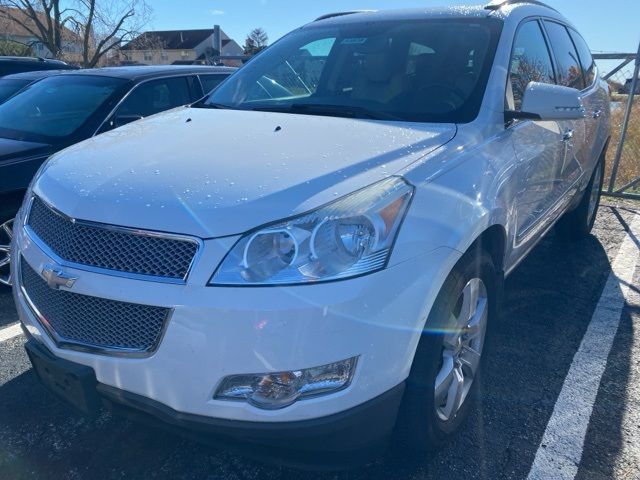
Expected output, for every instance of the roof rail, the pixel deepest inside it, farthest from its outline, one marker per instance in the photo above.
(341, 14)
(498, 4)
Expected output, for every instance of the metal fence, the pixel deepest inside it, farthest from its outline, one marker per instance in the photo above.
(623, 157)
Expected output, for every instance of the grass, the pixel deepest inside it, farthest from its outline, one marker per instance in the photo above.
(629, 168)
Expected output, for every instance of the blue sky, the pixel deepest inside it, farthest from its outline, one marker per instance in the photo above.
(612, 25)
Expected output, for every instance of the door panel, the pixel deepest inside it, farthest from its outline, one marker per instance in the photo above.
(569, 74)
(539, 146)
(595, 102)
(540, 151)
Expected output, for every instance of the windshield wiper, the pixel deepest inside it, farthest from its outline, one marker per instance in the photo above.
(349, 111)
(217, 106)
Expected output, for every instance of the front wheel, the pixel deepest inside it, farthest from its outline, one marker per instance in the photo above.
(446, 369)
(578, 223)
(6, 233)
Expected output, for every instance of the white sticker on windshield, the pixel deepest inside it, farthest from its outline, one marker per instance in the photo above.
(353, 41)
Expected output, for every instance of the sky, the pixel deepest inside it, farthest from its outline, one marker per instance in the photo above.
(608, 26)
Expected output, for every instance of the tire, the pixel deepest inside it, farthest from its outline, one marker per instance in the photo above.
(422, 426)
(9, 206)
(6, 232)
(578, 223)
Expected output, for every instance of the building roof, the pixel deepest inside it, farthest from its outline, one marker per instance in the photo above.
(173, 39)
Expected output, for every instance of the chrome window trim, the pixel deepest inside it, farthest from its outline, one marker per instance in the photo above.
(128, 230)
(65, 344)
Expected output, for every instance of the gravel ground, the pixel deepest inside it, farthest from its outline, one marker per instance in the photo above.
(549, 302)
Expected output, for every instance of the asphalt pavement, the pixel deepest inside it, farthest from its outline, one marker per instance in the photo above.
(552, 304)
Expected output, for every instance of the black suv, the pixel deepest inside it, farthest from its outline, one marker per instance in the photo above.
(69, 107)
(11, 65)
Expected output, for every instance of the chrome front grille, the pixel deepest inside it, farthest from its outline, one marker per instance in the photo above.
(112, 248)
(93, 323)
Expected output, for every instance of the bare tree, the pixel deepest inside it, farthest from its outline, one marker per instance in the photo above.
(42, 19)
(525, 71)
(104, 25)
(95, 27)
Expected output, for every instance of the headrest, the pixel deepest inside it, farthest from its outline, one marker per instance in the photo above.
(378, 67)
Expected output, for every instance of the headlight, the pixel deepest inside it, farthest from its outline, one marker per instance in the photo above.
(271, 391)
(350, 237)
(35, 178)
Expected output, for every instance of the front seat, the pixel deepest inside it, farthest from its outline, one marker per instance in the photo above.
(378, 81)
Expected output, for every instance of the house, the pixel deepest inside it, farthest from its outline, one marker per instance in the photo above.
(179, 47)
(19, 31)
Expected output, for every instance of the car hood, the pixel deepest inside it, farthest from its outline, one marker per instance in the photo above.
(16, 149)
(212, 173)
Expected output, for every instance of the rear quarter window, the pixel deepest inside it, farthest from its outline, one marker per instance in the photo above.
(586, 59)
(210, 82)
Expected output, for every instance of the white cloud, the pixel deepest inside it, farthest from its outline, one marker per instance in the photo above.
(216, 12)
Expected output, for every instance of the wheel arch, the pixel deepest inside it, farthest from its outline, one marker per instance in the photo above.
(493, 240)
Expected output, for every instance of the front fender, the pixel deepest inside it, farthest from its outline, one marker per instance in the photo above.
(453, 207)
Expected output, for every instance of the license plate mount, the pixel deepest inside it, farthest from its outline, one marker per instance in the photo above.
(74, 383)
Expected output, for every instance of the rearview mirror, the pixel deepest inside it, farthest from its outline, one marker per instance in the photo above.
(121, 120)
(543, 101)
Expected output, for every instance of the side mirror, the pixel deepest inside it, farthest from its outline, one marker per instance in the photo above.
(121, 120)
(543, 101)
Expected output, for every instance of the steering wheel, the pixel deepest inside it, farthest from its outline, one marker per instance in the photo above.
(443, 94)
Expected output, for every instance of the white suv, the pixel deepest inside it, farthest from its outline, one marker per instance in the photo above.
(321, 243)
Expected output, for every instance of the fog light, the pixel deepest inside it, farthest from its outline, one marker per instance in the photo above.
(278, 390)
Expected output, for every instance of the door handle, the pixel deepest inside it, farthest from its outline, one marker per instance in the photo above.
(597, 113)
(567, 135)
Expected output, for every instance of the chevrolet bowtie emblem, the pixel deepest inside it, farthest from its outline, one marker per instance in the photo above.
(56, 277)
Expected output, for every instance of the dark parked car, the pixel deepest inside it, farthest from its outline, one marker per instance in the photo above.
(626, 88)
(11, 65)
(12, 84)
(64, 109)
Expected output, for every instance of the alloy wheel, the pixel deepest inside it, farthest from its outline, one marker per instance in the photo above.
(6, 233)
(462, 349)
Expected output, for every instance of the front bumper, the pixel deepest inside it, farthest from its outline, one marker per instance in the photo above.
(345, 439)
(214, 332)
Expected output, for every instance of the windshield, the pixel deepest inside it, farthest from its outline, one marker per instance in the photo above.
(424, 71)
(55, 108)
(8, 88)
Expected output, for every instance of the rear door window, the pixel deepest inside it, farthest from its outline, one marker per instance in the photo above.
(156, 96)
(569, 69)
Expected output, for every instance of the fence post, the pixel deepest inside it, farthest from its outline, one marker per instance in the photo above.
(625, 124)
